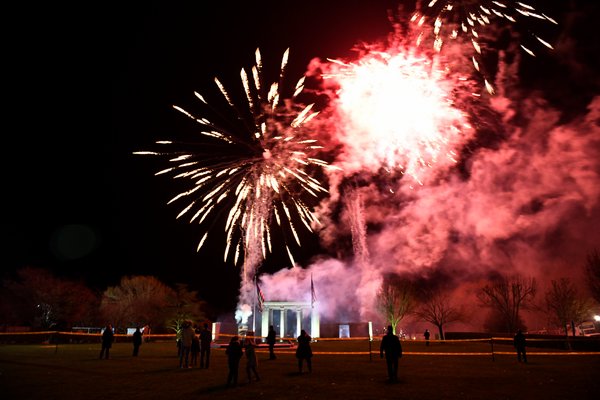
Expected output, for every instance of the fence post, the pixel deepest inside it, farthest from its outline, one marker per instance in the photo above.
(492, 344)
(370, 326)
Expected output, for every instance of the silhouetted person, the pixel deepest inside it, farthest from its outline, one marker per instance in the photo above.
(251, 360)
(426, 334)
(304, 352)
(234, 354)
(108, 338)
(520, 342)
(390, 345)
(187, 336)
(195, 349)
(205, 341)
(137, 341)
(271, 339)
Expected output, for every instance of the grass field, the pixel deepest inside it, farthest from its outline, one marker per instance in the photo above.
(341, 370)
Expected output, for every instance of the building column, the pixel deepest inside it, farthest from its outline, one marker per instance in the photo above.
(282, 322)
(314, 322)
(264, 323)
(298, 321)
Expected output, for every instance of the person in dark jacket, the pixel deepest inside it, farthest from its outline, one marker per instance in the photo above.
(251, 359)
(137, 341)
(205, 341)
(519, 343)
(390, 345)
(187, 336)
(234, 354)
(108, 338)
(271, 339)
(426, 335)
(304, 352)
(195, 349)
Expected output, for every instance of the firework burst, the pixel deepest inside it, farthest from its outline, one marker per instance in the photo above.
(252, 175)
(451, 18)
(396, 111)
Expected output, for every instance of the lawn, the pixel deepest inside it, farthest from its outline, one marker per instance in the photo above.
(341, 370)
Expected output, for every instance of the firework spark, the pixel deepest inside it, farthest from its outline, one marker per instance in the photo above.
(257, 174)
(451, 18)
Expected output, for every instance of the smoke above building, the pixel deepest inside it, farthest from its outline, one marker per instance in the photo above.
(442, 182)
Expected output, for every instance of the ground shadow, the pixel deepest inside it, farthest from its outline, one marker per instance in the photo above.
(214, 389)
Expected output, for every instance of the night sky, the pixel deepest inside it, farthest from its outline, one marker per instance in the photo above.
(91, 85)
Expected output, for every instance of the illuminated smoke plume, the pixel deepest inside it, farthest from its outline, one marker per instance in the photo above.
(243, 313)
(529, 206)
(431, 190)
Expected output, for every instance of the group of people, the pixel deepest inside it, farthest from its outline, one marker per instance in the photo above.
(236, 350)
(108, 337)
(392, 348)
(194, 344)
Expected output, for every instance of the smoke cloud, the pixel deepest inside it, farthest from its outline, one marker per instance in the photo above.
(520, 197)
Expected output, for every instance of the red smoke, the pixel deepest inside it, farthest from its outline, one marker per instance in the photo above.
(522, 197)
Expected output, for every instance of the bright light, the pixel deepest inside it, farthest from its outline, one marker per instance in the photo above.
(396, 112)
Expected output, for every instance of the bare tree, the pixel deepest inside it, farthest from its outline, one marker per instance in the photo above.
(565, 306)
(507, 296)
(437, 308)
(184, 306)
(144, 300)
(137, 301)
(395, 300)
(592, 269)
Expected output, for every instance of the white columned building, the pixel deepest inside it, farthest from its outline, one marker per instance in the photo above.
(300, 308)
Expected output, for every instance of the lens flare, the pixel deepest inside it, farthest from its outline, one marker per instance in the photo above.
(256, 172)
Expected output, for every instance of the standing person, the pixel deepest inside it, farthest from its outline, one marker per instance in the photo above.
(271, 341)
(195, 349)
(205, 341)
(234, 354)
(426, 334)
(187, 335)
(146, 332)
(390, 345)
(520, 342)
(304, 352)
(137, 341)
(251, 360)
(108, 338)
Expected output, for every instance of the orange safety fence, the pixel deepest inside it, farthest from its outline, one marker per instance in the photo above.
(363, 345)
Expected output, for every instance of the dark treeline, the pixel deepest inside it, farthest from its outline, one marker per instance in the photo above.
(37, 299)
